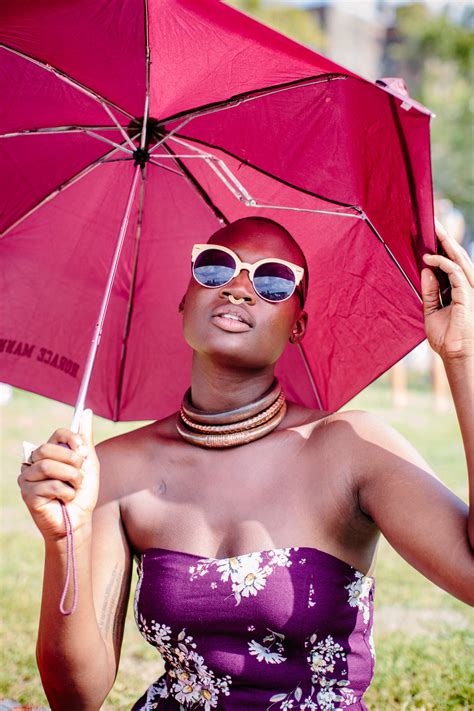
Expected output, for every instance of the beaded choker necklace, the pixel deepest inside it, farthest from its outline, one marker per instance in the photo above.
(233, 427)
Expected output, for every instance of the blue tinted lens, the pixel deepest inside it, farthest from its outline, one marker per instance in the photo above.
(213, 268)
(274, 282)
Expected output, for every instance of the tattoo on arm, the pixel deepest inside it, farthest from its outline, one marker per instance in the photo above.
(112, 614)
(121, 611)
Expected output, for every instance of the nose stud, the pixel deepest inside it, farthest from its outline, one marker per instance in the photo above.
(235, 301)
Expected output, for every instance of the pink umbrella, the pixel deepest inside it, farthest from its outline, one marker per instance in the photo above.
(154, 124)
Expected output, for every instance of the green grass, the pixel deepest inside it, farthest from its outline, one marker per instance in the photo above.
(424, 637)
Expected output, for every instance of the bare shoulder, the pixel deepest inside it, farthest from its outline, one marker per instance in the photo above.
(137, 441)
(123, 456)
(340, 430)
(375, 440)
(344, 425)
(371, 448)
(360, 421)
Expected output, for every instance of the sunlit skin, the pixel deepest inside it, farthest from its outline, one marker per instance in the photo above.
(330, 481)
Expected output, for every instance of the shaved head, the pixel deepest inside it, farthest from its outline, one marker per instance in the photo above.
(270, 235)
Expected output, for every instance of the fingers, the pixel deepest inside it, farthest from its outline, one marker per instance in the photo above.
(453, 269)
(430, 291)
(50, 469)
(72, 440)
(57, 462)
(48, 490)
(58, 453)
(455, 252)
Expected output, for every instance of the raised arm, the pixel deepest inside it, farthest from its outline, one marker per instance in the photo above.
(421, 518)
(78, 654)
(450, 332)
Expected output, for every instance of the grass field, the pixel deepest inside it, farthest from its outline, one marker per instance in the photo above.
(424, 637)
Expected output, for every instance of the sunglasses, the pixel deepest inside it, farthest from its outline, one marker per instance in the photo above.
(273, 279)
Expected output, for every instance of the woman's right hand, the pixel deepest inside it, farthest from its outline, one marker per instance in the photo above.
(62, 473)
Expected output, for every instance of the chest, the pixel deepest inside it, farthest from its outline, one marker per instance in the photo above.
(272, 492)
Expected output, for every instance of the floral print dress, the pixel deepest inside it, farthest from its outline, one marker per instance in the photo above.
(287, 628)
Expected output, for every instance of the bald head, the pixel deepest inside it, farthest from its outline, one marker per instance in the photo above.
(273, 239)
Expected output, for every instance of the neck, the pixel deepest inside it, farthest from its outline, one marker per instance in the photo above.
(217, 388)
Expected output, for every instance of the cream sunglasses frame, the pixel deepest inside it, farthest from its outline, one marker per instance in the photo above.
(298, 272)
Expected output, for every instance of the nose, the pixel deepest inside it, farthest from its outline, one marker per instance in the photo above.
(240, 288)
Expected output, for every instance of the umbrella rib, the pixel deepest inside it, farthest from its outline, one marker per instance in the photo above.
(199, 189)
(408, 164)
(166, 167)
(169, 135)
(67, 184)
(244, 97)
(67, 79)
(129, 314)
(238, 99)
(391, 254)
(120, 128)
(310, 376)
(79, 406)
(254, 203)
(56, 129)
(116, 160)
(147, 78)
(118, 146)
(268, 174)
(88, 131)
(232, 183)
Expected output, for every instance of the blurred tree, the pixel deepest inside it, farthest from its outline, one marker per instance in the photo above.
(291, 21)
(436, 55)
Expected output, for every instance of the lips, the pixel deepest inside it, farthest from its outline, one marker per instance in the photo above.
(232, 318)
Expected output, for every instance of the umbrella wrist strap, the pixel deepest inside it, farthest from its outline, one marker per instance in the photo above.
(70, 565)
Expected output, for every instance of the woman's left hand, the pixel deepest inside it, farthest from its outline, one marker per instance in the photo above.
(450, 330)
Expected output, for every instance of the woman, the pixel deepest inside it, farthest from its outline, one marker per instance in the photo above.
(254, 558)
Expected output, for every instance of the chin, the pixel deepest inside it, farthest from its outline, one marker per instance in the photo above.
(236, 355)
(237, 350)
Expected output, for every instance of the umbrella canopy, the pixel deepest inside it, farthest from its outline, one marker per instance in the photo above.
(162, 121)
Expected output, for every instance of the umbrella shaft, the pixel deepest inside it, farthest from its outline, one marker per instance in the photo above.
(79, 407)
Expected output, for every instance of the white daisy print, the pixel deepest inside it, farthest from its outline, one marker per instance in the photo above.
(272, 651)
(189, 680)
(264, 654)
(359, 591)
(246, 573)
(229, 567)
(249, 582)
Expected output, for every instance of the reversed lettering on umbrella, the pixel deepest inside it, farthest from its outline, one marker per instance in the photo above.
(46, 356)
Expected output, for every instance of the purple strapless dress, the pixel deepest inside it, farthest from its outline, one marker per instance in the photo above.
(288, 628)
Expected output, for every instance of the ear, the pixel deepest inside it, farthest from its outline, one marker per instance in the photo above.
(181, 304)
(299, 328)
